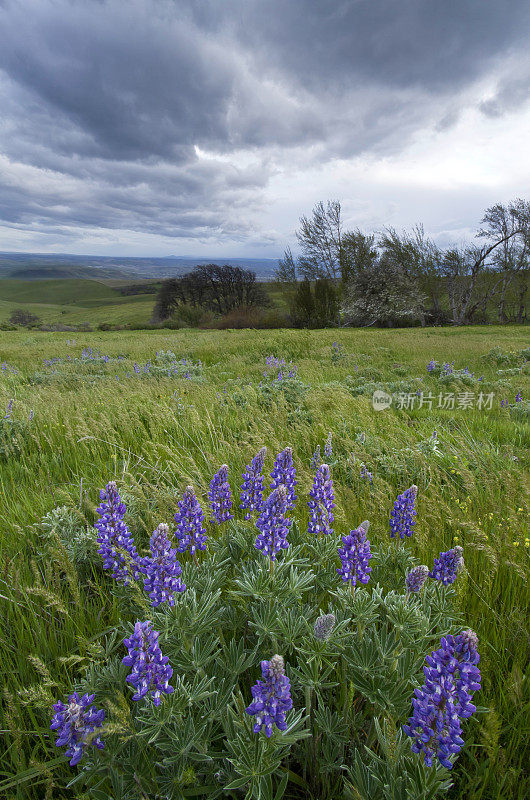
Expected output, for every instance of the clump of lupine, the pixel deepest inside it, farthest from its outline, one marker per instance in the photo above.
(162, 570)
(220, 496)
(272, 524)
(451, 678)
(189, 519)
(403, 515)
(350, 633)
(272, 697)
(446, 567)
(252, 486)
(321, 502)
(151, 671)
(75, 721)
(116, 544)
(355, 556)
(284, 474)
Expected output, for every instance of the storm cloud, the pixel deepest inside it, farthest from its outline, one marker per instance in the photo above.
(208, 125)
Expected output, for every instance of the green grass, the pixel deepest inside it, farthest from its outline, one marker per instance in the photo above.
(72, 302)
(89, 428)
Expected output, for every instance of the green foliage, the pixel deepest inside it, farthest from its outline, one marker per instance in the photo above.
(157, 435)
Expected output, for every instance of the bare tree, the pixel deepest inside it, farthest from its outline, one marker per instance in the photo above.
(320, 238)
(511, 226)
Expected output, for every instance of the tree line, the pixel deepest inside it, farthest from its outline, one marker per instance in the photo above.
(406, 278)
(349, 277)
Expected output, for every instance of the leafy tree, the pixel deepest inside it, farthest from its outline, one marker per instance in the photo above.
(21, 316)
(326, 303)
(304, 304)
(383, 295)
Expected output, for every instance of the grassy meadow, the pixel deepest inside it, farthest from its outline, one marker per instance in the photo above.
(77, 422)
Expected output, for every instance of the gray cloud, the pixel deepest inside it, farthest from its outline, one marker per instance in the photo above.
(105, 103)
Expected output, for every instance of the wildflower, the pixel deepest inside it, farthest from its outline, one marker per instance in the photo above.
(252, 486)
(355, 556)
(431, 366)
(189, 519)
(328, 449)
(323, 626)
(9, 409)
(74, 722)
(451, 678)
(504, 403)
(271, 697)
(446, 567)
(402, 517)
(162, 570)
(150, 669)
(284, 474)
(366, 475)
(416, 578)
(321, 502)
(272, 524)
(220, 496)
(114, 537)
(31, 415)
(316, 459)
(519, 397)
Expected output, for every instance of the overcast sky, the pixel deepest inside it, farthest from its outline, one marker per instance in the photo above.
(207, 127)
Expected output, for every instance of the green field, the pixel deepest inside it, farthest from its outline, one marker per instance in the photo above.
(74, 301)
(94, 420)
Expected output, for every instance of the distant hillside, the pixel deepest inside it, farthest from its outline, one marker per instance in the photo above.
(42, 266)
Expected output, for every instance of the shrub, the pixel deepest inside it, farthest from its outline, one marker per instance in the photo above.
(335, 710)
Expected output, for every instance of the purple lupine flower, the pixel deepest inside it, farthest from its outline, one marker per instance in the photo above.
(114, 537)
(321, 502)
(355, 556)
(252, 486)
(31, 415)
(415, 579)
(162, 570)
(431, 366)
(272, 524)
(189, 519)
(150, 669)
(519, 397)
(74, 721)
(446, 567)
(271, 697)
(328, 448)
(316, 459)
(402, 517)
(9, 409)
(366, 475)
(504, 403)
(451, 677)
(323, 626)
(220, 496)
(284, 474)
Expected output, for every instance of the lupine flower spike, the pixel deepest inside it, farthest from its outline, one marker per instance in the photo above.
(451, 677)
(402, 518)
(272, 524)
(446, 567)
(271, 697)
(316, 459)
(162, 570)
(324, 626)
(150, 669)
(252, 486)
(321, 502)
(220, 496)
(189, 519)
(74, 722)
(416, 578)
(116, 544)
(284, 474)
(355, 556)
(328, 447)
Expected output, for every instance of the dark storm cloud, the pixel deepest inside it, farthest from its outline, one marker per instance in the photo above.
(104, 103)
